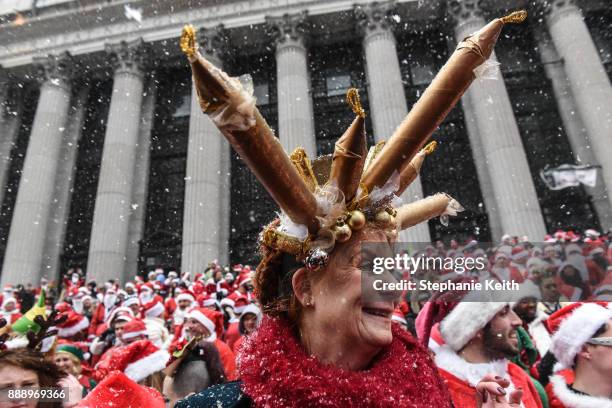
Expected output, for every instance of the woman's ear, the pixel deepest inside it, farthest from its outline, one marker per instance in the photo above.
(302, 287)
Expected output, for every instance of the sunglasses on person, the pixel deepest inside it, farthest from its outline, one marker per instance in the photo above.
(601, 341)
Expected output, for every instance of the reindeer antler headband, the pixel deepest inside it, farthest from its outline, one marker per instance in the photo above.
(323, 201)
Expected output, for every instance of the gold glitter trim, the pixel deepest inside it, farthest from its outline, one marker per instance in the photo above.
(300, 160)
(515, 17)
(188, 41)
(352, 97)
(431, 147)
(284, 243)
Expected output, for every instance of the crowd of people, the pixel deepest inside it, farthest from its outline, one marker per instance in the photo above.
(170, 335)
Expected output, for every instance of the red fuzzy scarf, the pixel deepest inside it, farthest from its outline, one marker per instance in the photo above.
(277, 372)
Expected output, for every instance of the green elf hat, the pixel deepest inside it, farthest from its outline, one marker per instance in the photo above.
(70, 349)
(26, 322)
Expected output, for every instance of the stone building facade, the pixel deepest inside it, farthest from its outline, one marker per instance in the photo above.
(106, 161)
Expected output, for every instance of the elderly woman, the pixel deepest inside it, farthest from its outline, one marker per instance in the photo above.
(328, 339)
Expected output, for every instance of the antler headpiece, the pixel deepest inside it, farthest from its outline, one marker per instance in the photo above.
(323, 201)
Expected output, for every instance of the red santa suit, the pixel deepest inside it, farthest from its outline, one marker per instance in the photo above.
(462, 377)
(560, 394)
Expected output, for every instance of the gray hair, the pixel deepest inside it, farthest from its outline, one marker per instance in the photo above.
(191, 376)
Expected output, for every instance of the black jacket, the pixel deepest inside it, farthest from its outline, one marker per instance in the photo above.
(228, 395)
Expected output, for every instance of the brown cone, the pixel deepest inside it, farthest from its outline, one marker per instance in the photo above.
(257, 145)
(435, 104)
(349, 158)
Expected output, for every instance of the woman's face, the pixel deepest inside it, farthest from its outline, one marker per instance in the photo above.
(340, 309)
(65, 363)
(250, 323)
(12, 377)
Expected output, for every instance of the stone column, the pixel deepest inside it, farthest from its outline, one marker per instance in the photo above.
(109, 232)
(481, 164)
(141, 179)
(587, 77)
(64, 181)
(502, 147)
(11, 107)
(386, 94)
(206, 213)
(295, 114)
(24, 252)
(573, 124)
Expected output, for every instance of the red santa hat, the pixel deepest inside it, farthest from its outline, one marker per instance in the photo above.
(500, 255)
(117, 390)
(573, 326)
(131, 300)
(8, 300)
(73, 324)
(244, 277)
(186, 295)
(559, 235)
(468, 317)
(241, 303)
(134, 328)
(212, 320)
(153, 308)
(145, 287)
(139, 359)
(549, 239)
(518, 252)
(120, 313)
(207, 299)
(591, 233)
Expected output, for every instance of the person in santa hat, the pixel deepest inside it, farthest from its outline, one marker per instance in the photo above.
(582, 344)
(75, 326)
(110, 337)
(71, 360)
(249, 321)
(185, 300)
(152, 313)
(10, 310)
(204, 323)
(133, 303)
(103, 310)
(146, 293)
(480, 338)
(130, 288)
(520, 256)
(138, 358)
(502, 271)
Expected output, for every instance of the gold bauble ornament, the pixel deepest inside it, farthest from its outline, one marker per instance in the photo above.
(343, 233)
(356, 220)
(383, 217)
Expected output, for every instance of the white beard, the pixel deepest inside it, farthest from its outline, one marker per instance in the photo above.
(109, 301)
(77, 305)
(145, 297)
